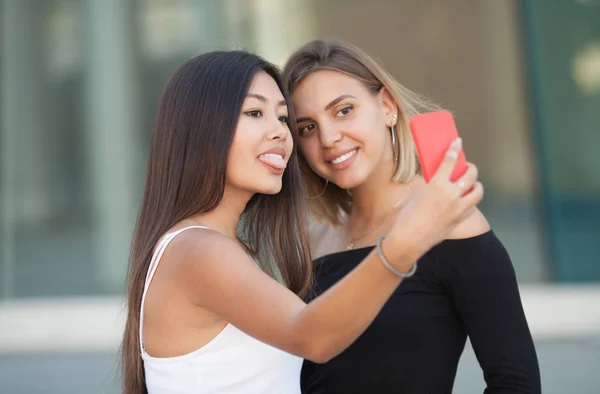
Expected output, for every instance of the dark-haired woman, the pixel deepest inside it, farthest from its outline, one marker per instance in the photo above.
(220, 254)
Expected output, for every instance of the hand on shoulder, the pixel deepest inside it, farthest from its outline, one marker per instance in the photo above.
(474, 225)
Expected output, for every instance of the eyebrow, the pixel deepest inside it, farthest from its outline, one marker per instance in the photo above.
(337, 100)
(331, 104)
(263, 98)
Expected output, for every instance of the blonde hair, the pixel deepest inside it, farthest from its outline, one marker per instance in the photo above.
(329, 200)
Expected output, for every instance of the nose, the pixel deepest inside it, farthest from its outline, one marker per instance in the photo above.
(278, 130)
(329, 135)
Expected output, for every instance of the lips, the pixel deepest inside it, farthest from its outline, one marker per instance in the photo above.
(274, 158)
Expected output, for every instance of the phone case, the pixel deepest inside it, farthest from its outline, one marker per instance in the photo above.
(433, 133)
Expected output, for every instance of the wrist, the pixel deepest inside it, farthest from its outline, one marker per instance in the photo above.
(397, 256)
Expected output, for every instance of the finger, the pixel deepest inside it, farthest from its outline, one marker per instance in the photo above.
(470, 200)
(445, 169)
(466, 182)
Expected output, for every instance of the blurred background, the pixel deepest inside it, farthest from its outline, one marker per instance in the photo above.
(80, 81)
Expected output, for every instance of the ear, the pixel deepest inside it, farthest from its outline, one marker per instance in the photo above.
(388, 105)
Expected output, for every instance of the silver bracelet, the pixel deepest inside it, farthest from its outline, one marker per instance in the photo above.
(391, 267)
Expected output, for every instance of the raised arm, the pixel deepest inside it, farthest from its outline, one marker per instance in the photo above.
(222, 279)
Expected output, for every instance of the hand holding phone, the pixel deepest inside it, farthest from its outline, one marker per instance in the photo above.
(433, 133)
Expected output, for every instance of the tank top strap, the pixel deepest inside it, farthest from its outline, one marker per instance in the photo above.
(158, 252)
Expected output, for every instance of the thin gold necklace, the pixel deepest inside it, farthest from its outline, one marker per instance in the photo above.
(353, 240)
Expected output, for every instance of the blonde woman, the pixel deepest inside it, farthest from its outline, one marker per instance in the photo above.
(360, 168)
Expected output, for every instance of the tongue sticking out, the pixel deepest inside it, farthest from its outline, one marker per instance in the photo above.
(273, 160)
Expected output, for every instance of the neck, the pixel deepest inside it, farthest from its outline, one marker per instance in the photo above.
(376, 196)
(372, 203)
(226, 216)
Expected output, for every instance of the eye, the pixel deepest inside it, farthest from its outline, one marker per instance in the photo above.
(255, 113)
(306, 130)
(284, 119)
(345, 111)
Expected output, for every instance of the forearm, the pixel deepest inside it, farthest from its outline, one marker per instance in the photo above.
(332, 321)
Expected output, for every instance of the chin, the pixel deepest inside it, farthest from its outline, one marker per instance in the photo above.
(346, 185)
(349, 181)
(273, 188)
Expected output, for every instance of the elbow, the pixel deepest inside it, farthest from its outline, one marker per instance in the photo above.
(319, 351)
(317, 342)
(525, 382)
(318, 354)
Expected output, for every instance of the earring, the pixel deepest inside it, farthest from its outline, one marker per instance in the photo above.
(393, 133)
(322, 192)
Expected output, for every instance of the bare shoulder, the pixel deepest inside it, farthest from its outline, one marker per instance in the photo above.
(202, 252)
(474, 225)
(202, 241)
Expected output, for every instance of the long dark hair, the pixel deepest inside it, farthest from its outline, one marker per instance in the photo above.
(193, 132)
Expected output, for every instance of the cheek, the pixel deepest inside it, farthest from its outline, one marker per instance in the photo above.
(246, 139)
(372, 136)
(236, 155)
(309, 147)
(289, 142)
(235, 164)
(241, 154)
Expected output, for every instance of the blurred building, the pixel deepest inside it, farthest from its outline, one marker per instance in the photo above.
(80, 81)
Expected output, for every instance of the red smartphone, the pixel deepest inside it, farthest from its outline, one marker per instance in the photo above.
(433, 133)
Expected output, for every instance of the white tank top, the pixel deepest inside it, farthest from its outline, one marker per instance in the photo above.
(232, 362)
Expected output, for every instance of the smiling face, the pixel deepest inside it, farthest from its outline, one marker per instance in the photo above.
(344, 127)
(262, 143)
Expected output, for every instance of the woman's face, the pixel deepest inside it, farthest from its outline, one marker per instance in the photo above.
(262, 143)
(343, 127)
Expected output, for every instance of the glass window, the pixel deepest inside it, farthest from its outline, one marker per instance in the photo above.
(565, 74)
(466, 56)
(80, 84)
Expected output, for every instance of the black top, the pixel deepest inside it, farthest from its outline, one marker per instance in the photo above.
(461, 287)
